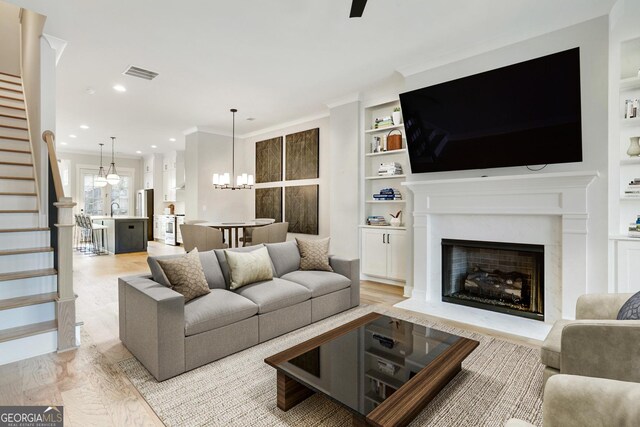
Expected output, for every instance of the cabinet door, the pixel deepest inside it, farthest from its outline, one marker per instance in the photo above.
(148, 164)
(628, 266)
(171, 186)
(148, 180)
(156, 228)
(165, 186)
(396, 255)
(374, 252)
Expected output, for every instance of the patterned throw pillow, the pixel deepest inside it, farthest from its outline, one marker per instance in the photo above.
(248, 267)
(631, 309)
(185, 275)
(314, 254)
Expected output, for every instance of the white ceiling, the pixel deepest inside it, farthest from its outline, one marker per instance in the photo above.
(276, 60)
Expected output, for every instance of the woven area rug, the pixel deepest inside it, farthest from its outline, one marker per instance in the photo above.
(499, 380)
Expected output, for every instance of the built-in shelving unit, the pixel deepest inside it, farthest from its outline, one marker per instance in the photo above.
(384, 249)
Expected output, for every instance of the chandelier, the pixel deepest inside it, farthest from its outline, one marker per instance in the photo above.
(222, 181)
(101, 179)
(112, 175)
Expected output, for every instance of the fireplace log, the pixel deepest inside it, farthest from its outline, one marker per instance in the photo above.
(496, 284)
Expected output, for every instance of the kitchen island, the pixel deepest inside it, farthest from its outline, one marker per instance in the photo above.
(124, 234)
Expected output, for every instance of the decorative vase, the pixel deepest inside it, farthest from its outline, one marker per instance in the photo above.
(395, 222)
(634, 146)
(396, 117)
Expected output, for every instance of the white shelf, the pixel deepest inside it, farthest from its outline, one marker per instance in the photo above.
(630, 122)
(628, 198)
(383, 227)
(385, 129)
(630, 161)
(630, 83)
(624, 237)
(386, 153)
(385, 201)
(385, 177)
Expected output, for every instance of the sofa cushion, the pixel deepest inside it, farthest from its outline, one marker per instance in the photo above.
(319, 282)
(285, 257)
(275, 294)
(550, 351)
(210, 266)
(215, 310)
(248, 267)
(224, 266)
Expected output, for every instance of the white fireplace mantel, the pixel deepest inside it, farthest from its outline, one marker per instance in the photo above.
(541, 208)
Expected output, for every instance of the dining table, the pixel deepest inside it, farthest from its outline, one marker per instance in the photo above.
(233, 229)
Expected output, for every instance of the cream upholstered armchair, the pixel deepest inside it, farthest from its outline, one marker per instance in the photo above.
(201, 237)
(596, 344)
(577, 401)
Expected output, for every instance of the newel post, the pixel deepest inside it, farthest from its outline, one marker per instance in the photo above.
(66, 302)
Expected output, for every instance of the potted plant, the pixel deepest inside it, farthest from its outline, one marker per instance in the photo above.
(396, 116)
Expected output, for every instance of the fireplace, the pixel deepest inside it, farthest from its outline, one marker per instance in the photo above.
(502, 277)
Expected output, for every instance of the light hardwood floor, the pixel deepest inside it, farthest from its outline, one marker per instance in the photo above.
(86, 381)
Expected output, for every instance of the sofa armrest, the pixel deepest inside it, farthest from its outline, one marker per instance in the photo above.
(576, 401)
(349, 268)
(602, 348)
(600, 306)
(152, 325)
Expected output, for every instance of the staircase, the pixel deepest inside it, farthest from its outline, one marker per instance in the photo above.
(28, 281)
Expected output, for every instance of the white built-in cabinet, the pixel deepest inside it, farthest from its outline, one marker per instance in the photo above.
(627, 268)
(384, 253)
(172, 175)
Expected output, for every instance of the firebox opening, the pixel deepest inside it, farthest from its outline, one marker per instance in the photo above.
(502, 277)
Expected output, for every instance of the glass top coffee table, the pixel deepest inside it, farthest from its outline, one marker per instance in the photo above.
(383, 370)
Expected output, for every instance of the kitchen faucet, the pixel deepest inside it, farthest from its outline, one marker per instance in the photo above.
(114, 203)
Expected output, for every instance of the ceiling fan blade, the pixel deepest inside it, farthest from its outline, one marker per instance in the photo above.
(357, 7)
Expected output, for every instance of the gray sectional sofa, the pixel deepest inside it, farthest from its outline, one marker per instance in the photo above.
(170, 337)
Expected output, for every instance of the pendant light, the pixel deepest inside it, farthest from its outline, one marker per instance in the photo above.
(101, 179)
(112, 176)
(222, 181)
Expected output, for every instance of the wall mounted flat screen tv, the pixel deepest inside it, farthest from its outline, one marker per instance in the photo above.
(523, 114)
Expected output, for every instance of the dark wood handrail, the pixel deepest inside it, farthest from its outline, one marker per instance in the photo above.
(49, 139)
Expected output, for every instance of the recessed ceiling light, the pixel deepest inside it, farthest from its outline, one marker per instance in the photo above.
(138, 152)
(84, 127)
(63, 143)
(172, 139)
(72, 136)
(154, 146)
(90, 91)
(120, 88)
(251, 118)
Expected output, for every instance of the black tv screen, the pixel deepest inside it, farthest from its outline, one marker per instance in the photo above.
(523, 114)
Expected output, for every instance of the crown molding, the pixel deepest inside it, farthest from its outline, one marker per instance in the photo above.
(280, 126)
(354, 97)
(56, 44)
(206, 129)
(97, 153)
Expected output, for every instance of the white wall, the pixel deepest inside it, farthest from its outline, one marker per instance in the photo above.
(592, 38)
(324, 181)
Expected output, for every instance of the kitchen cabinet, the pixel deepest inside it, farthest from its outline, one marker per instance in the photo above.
(384, 253)
(158, 227)
(172, 175)
(124, 234)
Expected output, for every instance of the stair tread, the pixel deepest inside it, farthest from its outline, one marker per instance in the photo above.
(10, 89)
(28, 330)
(23, 230)
(11, 150)
(19, 178)
(16, 164)
(9, 116)
(11, 75)
(18, 194)
(16, 275)
(26, 251)
(10, 82)
(19, 211)
(13, 127)
(12, 107)
(11, 98)
(14, 138)
(26, 301)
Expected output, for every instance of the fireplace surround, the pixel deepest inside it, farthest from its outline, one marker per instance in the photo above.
(502, 277)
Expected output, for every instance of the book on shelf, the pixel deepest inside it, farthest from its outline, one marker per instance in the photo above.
(634, 230)
(376, 220)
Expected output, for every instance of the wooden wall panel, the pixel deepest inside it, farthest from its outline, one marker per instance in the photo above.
(269, 160)
(301, 209)
(269, 203)
(303, 159)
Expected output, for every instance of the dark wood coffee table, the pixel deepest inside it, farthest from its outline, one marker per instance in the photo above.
(383, 370)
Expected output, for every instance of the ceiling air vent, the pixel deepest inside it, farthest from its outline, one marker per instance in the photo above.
(140, 72)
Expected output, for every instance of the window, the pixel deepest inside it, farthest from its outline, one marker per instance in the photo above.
(97, 201)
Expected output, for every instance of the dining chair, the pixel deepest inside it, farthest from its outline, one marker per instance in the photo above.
(201, 237)
(273, 233)
(247, 231)
(195, 221)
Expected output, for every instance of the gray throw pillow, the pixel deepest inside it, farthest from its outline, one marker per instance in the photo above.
(208, 260)
(285, 257)
(631, 309)
(314, 254)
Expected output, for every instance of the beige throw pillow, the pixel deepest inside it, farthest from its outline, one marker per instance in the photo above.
(248, 267)
(185, 275)
(314, 254)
